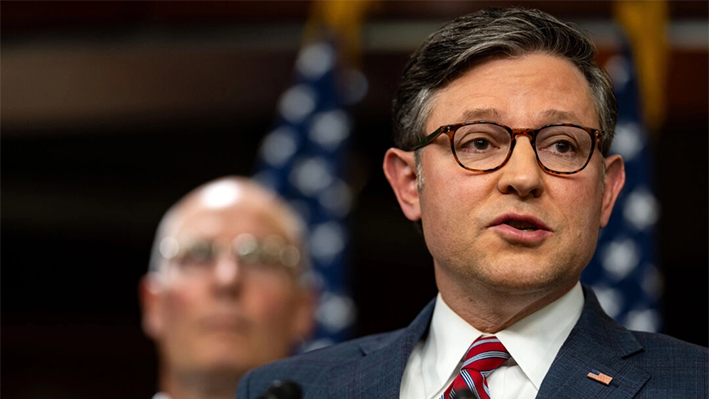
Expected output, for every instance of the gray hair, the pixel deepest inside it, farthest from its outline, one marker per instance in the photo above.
(494, 33)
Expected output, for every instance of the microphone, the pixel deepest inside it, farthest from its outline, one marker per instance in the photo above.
(283, 390)
(465, 394)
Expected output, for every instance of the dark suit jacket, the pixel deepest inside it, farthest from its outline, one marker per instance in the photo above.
(642, 365)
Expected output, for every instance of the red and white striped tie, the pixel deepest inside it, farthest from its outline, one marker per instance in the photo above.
(483, 357)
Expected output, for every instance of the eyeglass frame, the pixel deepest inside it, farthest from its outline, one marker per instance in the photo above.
(596, 137)
(293, 266)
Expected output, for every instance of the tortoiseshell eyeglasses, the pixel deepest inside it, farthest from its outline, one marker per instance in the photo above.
(485, 146)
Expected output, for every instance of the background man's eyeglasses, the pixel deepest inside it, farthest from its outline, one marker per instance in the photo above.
(485, 146)
(270, 254)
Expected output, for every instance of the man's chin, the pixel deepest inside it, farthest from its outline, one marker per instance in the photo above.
(514, 276)
(530, 282)
(225, 365)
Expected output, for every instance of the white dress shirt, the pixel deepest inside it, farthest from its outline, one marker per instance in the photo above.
(533, 343)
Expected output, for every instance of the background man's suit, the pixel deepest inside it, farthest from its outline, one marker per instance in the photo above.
(642, 365)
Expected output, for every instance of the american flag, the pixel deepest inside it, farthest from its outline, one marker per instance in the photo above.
(624, 272)
(304, 158)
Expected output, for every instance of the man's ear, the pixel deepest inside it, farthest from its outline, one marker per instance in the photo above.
(149, 294)
(400, 170)
(614, 182)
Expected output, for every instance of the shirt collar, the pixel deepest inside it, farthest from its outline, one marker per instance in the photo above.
(533, 342)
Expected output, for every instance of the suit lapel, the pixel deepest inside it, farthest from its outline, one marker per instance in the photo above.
(597, 344)
(379, 372)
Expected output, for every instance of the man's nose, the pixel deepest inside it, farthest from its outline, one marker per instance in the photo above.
(227, 271)
(522, 175)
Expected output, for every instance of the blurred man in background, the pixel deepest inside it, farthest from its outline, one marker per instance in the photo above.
(226, 289)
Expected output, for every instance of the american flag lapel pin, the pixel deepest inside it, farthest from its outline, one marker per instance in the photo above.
(600, 377)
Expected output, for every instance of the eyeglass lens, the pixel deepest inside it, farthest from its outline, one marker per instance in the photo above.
(482, 146)
(245, 249)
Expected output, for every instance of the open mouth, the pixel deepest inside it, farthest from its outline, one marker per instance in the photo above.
(522, 225)
(521, 222)
(520, 228)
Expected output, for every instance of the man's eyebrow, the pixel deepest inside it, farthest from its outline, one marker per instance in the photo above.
(548, 115)
(555, 115)
(481, 114)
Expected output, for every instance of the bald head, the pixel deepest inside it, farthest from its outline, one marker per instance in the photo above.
(223, 295)
(210, 206)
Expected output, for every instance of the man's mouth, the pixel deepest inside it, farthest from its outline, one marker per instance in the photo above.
(522, 225)
(226, 322)
(518, 228)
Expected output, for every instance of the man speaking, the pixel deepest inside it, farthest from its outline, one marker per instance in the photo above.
(502, 126)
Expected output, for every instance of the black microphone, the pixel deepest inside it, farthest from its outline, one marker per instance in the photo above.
(465, 394)
(283, 390)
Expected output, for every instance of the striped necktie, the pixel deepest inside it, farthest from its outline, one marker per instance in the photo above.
(483, 357)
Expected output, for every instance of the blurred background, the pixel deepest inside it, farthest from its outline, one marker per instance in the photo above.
(111, 111)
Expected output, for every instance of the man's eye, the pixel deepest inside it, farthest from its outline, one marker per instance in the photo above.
(481, 144)
(197, 255)
(477, 143)
(564, 140)
(562, 147)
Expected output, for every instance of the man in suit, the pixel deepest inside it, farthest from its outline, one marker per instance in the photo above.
(502, 126)
(225, 291)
